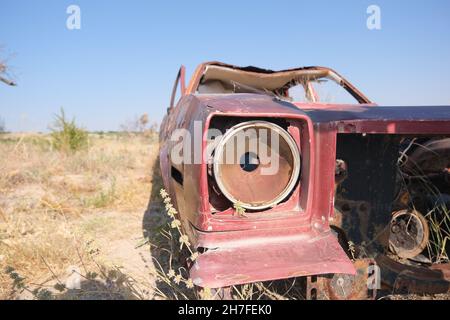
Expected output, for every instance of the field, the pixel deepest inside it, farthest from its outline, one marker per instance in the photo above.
(74, 224)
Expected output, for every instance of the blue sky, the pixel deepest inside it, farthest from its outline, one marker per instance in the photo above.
(124, 59)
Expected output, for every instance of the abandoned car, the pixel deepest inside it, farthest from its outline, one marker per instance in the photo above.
(321, 183)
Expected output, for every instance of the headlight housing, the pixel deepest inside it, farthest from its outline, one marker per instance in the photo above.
(256, 163)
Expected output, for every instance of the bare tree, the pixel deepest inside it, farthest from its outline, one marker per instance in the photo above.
(138, 124)
(143, 121)
(4, 72)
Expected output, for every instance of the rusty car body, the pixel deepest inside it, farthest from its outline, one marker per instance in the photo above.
(338, 208)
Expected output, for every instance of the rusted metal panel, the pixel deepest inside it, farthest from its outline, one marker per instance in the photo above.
(342, 286)
(373, 120)
(260, 259)
(403, 278)
(366, 195)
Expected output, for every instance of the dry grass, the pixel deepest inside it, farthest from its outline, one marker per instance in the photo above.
(53, 204)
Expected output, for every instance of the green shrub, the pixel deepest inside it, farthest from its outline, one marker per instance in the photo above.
(66, 135)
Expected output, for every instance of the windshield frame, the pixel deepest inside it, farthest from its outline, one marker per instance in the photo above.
(229, 73)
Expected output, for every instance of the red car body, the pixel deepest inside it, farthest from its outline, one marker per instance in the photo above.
(294, 238)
